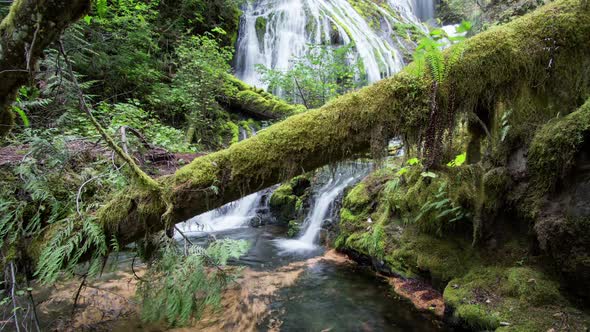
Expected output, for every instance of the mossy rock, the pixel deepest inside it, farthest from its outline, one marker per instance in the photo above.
(510, 299)
(260, 26)
(559, 195)
(437, 259)
(286, 202)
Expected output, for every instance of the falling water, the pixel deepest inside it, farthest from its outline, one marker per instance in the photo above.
(321, 209)
(424, 9)
(232, 215)
(273, 32)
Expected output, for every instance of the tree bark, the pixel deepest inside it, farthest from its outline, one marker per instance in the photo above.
(25, 32)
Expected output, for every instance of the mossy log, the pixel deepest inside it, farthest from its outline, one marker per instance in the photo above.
(257, 102)
(25, 32)
(494, 63)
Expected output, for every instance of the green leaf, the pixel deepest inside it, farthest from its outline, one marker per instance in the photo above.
(22, 115)
(402, 171)
(101, 7)
(459, 160)
(465, 26)
(88, 19)
(428, 175)
(413, 161)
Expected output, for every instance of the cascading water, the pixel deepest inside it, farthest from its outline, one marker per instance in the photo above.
(273, 32)
(233, 215)
(424, 9)
(321, 209)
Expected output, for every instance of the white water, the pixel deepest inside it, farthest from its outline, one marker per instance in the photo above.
(321, 209)
(424, 9)
(233, 215)
(291, 25)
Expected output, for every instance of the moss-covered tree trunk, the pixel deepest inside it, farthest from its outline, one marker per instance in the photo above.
(494, 63)
(28, 29)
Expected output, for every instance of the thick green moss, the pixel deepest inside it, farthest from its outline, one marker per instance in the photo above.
(286, 202)
(553, 151)
(438, 259)
(511, 299)
(283, 203)
(257, 102)
(234, 129)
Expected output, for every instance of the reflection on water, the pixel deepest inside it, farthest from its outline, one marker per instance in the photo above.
(311, 291)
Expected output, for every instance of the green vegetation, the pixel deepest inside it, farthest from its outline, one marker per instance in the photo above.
(322, 74)
(489, 204)
(287, 201)
(163, 299)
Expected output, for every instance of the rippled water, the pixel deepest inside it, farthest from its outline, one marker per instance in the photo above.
(324, 295)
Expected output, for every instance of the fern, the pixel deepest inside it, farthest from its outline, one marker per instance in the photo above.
(439, 212)
(178, 288)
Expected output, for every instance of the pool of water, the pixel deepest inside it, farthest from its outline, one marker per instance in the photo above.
(327, 295)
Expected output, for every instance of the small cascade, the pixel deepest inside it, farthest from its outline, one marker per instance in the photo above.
(273, 32)
(325, 198)
(232, 215)
(424, 9)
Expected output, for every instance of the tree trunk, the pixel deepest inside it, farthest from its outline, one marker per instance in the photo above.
(25, 32)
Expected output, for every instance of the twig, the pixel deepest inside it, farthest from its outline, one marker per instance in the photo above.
(184, 236)
(301, 93)
(29, 53)
(79, 195)
(133, 269)
(78, 294)
(13, 295)
(35, 317)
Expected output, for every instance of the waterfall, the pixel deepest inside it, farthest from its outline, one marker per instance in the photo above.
(344, 177)
(424, 9)
(232, 215)
(273, 32)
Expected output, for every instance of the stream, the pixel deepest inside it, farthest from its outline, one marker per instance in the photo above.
(297, 284)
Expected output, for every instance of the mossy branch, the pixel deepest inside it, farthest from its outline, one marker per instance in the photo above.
(25, 32)
(257, 102)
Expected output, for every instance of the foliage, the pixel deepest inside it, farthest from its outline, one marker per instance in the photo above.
(314, 79)
(429, 57)
(124, 51)
(127, 114)
(179, 287)
(440, 208)
(45, 201)
(458, 161)
(199, 82)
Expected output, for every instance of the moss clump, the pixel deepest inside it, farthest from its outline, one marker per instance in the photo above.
(286, 202)
(518, 298)
(531, 286)
(552, 154)
(438, 259)
(234, 130)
